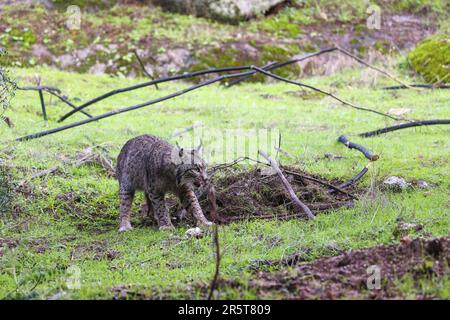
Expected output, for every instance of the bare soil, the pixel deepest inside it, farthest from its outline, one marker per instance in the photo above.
(346, 275)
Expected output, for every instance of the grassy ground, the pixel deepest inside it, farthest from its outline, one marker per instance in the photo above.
(70, 218)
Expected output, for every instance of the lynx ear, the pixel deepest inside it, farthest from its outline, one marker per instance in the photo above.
(180, 152)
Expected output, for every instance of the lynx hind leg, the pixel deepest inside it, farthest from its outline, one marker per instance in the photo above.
(147, 208)
(161, 212)
(190, 202)
(126, 201)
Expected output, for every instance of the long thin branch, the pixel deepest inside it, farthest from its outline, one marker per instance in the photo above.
(161, 80)
(404, 126)
(127, 109)
(285, 63)
(423, 86)
(300, 205)
(321, 182)
(215, 279)
(55, 92)
(323, 92)
(387, 74)
(144, 69)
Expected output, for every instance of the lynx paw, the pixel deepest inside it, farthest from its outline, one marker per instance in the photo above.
(167, 227)
(205, 223)
(125, 227)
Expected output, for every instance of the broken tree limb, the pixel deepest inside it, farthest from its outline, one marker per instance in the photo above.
(144, 69)
(423, 86)
(355, 178)
(387, 74)
(344, 140)
(157, 81)
(127, 109)
(55, 92)
(323, 92)
(215, 279)
(404, 126)
(285, 63)
(321, 182)
(300, 205)
(44, 111)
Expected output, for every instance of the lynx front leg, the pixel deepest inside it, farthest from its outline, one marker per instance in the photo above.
(126, 201)
(190, 202)
(161, 212)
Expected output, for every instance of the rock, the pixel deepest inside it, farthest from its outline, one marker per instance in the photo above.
(223, 10)
(41, 53)
(66, 60)
(396, 183)
(98, 68)
(170, 62)
(194, 232)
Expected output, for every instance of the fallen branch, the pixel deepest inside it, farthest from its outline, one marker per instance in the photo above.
(355, 178)
(300, 205)
(157, 81)
(323, 92)
(215, 279)
(55, 92)
(315, 207)
(127, 109)
(423, 86)
(320, 182)
(282, 64)
(144, 69)
(344, 140)
(404, 126)
(387, 74)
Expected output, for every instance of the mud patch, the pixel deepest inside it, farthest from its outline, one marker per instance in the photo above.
(96, 250)
(346, 275)
(6, 244)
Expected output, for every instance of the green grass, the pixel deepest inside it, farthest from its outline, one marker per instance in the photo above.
(82, 231)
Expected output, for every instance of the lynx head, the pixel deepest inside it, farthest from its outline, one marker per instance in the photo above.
(190, 167)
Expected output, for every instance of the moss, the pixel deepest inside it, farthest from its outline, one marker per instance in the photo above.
(431, 59)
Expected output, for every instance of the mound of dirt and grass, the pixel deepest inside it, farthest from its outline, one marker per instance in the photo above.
(414, 262)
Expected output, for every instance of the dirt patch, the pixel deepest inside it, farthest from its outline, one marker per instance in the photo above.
(346, 275)
(96, 250)
(6, 244)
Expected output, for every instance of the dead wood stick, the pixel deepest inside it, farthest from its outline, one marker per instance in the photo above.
(317, 207)
(144, 69)
(387, 74)
(321, 182)
(215, 279)
(287, 186)
(404, 126)
(344, 102)
(344, 140)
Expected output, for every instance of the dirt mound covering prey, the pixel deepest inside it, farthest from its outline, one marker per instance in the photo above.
(346, 276)
(253, 194)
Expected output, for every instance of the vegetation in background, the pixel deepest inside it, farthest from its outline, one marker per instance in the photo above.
(431, 59)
